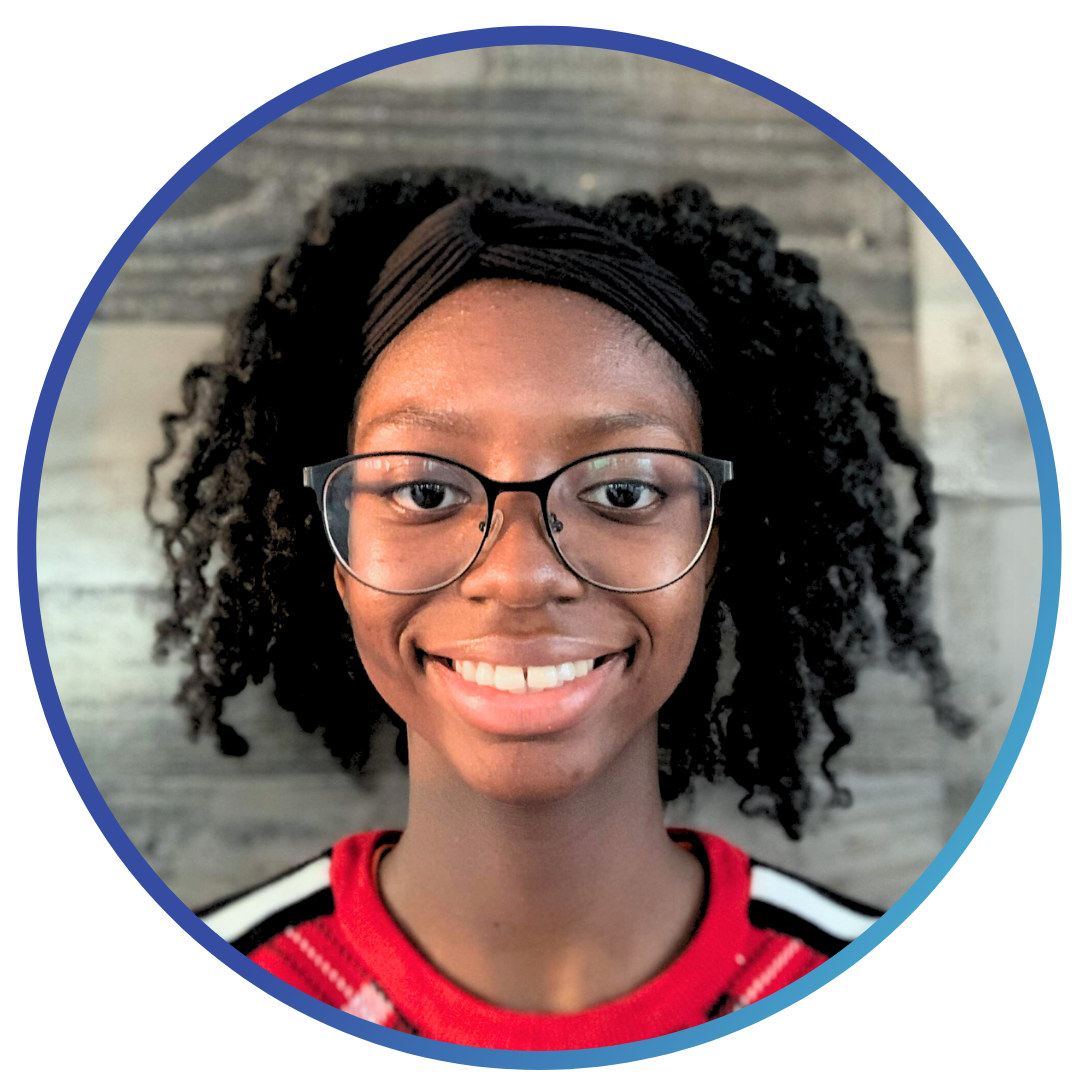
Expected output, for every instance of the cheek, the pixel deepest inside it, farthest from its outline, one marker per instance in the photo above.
(673, 618)
(377, 622)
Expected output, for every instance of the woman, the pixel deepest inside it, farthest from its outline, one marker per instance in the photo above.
(567, 459)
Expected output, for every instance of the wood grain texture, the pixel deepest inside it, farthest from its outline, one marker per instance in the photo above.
(582, 128)
(586, 123)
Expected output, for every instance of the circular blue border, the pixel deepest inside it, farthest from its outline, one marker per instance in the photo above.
(620, 42)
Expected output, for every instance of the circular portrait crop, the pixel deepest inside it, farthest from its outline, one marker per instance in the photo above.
(539, 548)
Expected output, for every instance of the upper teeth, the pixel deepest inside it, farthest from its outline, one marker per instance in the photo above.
(520, 680)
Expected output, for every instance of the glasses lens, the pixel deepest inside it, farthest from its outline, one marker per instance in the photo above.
(633, 521)
(404, 523)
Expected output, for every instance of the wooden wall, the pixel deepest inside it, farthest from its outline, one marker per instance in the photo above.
(585, 123)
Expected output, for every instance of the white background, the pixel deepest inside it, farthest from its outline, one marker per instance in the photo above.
(104, 102)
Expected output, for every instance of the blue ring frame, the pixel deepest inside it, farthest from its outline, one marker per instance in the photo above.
(618, 42)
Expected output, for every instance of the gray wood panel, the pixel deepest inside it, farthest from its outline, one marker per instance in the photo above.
(585, 122)
(587, 133)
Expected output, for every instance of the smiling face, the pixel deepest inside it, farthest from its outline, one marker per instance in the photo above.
(514, 380)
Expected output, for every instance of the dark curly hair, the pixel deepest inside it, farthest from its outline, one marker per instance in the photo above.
(816, 565)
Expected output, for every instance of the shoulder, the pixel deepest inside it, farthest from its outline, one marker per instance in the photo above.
(299, 895)
(778, 900)
(800, 908)
(251, 917)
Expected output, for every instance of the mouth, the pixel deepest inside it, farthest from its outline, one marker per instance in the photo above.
(527, 702)
(531, 679)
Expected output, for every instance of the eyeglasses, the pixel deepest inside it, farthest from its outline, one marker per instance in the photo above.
(630, 521)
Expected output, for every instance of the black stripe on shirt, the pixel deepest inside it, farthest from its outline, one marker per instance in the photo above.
(311, 907)
(767, 916)
(317, 903)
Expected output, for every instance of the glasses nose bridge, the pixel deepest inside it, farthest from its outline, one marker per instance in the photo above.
(497, 517)
(539, 488)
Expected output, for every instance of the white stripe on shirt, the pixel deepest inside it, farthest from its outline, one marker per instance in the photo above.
(776, 888)
(236, 919)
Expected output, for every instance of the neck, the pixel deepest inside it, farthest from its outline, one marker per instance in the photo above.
(548, 906)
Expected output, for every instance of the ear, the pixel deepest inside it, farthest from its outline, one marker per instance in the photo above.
(340, 578)
(713, 554)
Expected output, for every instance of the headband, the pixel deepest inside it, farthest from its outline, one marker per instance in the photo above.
(469, 239)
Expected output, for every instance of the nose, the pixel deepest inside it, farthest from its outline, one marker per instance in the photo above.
(518, 566)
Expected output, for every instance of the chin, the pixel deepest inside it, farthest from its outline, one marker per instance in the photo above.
(528, 776)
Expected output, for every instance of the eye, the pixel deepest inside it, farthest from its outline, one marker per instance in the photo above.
(623, 495)
(428, 495)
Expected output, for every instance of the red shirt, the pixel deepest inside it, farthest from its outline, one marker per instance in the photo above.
(337, 942)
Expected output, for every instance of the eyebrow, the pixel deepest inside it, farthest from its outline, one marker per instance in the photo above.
(612, 423)
(441, 421)
(447, 422)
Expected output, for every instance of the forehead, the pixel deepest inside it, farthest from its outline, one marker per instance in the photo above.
(528, 360)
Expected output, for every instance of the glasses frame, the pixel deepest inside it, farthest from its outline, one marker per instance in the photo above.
(317, 477)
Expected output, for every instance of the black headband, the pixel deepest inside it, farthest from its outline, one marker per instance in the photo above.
(467, 240)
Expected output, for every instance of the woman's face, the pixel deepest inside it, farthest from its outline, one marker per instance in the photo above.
(516, 379)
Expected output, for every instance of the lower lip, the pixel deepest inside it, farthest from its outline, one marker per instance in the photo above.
(545, 712)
